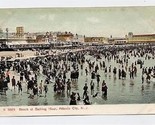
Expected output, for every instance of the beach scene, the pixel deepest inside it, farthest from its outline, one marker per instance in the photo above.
(77, 56)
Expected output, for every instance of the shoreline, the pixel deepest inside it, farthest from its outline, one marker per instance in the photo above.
(30, 53)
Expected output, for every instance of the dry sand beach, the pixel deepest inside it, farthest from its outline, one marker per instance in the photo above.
(13, 53)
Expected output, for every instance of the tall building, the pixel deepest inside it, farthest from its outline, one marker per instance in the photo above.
(65, 37)
(117, 40)
(78, 38)
(95, 39)
(20, 31)
(141, 38)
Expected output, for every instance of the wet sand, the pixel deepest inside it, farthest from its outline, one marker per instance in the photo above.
(127, 91)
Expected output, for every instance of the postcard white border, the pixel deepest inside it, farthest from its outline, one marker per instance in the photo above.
(73, 3)
(89, 110)
(78, 110)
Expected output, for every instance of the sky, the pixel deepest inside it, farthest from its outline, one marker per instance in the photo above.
(115, 21)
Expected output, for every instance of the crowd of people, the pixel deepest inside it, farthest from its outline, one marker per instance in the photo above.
(63, 72)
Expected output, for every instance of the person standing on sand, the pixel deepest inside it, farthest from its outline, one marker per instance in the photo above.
(104, 88)
(98, 78)
(73, 99)
(13, 80)
(40, 87)
(19, 87)
(68, 86)
(86, 71)
(45, 89)
(92, 87)
(21, 76)
(85, 88)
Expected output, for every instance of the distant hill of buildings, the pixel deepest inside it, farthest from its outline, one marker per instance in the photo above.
(47, 37)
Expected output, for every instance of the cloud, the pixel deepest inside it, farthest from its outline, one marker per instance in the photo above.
(93, 20)
(9, 13)
(42, 17)
(50, 17)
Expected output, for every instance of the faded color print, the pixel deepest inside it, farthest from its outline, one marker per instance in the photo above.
(77, 57)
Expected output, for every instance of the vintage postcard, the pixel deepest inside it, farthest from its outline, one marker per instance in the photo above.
(77, 61)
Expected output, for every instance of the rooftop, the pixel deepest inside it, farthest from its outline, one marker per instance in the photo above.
(143, 35)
